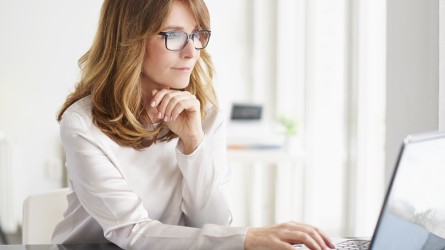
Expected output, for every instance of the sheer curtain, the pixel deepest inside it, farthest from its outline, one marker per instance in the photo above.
(322, 63)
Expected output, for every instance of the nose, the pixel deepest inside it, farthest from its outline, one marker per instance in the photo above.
(189, 50)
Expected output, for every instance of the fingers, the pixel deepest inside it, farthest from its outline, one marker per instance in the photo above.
(266, 238)
(283, 236)
(171, 103)
(310, 242)
(326, 239)
(318, 236)
(311, 236)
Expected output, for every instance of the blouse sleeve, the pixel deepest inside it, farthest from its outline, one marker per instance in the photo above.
(206, 176)
(106, 196)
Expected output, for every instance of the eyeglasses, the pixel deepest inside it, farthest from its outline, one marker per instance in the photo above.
(177, 40)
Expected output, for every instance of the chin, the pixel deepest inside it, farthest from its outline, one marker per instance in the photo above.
(180, 85)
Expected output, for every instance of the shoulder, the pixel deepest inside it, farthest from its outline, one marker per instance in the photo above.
(77, 128)
(78, 115)
(82, 106)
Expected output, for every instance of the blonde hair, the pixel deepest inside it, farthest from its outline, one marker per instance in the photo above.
(111, 69)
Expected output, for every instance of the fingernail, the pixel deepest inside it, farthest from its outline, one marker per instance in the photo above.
(166, 119)
(153, 104)
(159, 115)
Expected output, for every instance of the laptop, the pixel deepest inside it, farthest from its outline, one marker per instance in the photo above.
(413, 212)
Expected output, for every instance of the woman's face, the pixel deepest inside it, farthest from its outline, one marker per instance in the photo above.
(163, 68)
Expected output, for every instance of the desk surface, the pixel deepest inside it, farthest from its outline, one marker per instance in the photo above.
(61, 247)
(110, 246)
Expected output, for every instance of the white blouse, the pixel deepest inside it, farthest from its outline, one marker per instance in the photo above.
(156, 198)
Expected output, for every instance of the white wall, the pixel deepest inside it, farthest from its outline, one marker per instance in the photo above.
(230, 50)
(39, 47)
(442, 64)
(412, 71)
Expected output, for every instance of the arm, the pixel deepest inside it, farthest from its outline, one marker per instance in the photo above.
(206, 176)
(201, 155)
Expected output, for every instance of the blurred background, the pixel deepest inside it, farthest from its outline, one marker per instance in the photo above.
(318, 95)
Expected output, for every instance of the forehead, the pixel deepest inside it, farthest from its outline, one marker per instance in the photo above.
(180, 17)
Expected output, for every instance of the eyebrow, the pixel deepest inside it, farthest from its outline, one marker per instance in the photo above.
(171, 27)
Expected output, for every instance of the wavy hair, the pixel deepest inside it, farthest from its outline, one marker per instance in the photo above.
(111, 69)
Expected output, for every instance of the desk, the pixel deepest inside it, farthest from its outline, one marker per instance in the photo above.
(61, 247)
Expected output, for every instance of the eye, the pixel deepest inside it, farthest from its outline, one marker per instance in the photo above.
(174, 35)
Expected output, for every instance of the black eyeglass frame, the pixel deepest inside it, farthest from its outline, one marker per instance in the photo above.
(189, 37)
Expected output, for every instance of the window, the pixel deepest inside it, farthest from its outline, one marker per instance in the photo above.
(321, 62)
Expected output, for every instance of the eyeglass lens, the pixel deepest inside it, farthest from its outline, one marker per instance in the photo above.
(178, 40)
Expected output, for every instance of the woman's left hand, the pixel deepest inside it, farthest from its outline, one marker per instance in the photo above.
(180, 110)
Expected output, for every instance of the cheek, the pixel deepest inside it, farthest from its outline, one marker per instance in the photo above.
(156, 61)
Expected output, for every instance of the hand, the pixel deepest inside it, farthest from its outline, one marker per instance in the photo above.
(283, 236)
(180, 110)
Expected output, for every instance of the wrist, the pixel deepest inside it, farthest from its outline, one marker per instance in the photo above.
(249, 241)
(189, 144)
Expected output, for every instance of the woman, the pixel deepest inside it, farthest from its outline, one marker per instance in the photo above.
(145, 141)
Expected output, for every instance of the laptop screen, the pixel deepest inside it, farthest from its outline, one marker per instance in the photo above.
(413, 216)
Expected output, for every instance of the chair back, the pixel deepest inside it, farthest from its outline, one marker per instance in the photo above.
(41, 213)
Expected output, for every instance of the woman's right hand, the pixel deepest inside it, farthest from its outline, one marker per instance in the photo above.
(283, 236)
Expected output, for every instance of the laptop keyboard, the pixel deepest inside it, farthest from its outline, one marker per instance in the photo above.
(353, 245)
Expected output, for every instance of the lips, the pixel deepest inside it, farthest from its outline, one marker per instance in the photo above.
(183, 68)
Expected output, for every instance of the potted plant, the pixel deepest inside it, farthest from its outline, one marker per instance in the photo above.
(289, 128)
